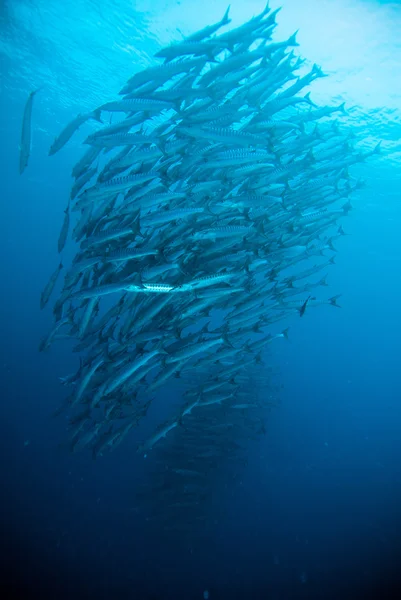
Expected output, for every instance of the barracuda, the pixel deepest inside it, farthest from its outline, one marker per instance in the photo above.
(217, 186)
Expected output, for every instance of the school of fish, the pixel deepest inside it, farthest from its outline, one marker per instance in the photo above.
(206, 210)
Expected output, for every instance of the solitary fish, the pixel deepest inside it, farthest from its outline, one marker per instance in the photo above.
(47, 292)
(25, 145)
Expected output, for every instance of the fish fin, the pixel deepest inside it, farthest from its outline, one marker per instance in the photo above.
(333, 301)
(246, 214)
(205, 329)
(310, 156)
(226, 19)
(209, 210)
(301, 127)
(160, 143)
(136, 227)
(292, 39)
(377, 148)
(226, 340)
(285, 333)
(180, 264)
(316, 132)
(318, 71)
(308, 100)
(136, 280)
(96, 115)
(39, 89)
(211, 57)
(331, 245)
(159, 347)
(177, 106)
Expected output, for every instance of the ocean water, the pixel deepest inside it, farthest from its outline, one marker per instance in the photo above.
(313, 511)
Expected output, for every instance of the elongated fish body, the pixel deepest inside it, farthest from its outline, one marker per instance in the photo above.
(47, 292)
(87, 316)
(155, 288)
(80, 266)
(111, 234)
(131, 368)
(128, 254)
(123, 432)
(150, 273)
(188, 48)
(161, 74)
(191, 351)
(64, 229)
(85, 381)
(160, 434)
(164, 376)
(82, 181)
(119, 139)
(69, 131)
(216, 399)
(136, 155)
(97, 291)
(170, 215)
(208, 280)
(226, 136)
(216, 233)
(189, 408)
(120, 184)
(136, 104)
(85, 439)
(25, 144)
(209, 30)
(215, 293)
(159, 200)
(150, 312)
(47, 340)
(85, 162)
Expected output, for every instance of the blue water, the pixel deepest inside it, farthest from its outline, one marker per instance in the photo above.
(315, 511)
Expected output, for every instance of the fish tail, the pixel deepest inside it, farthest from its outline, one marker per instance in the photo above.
(226, 19)
(96, 115)
(333, 301)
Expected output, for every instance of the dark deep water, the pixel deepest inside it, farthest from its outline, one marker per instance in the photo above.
(314, 510)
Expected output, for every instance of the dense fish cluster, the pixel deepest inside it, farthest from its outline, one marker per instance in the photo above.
(205, 211)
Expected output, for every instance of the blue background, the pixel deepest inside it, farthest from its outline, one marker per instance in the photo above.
(315, 512)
